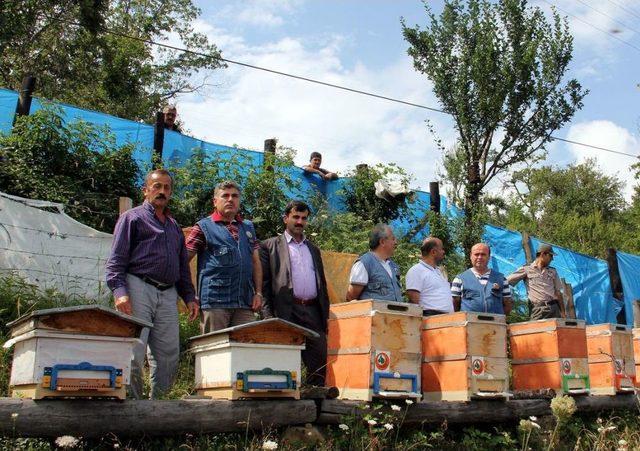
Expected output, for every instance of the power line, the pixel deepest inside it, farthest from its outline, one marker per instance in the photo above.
(345, 88)
(610, 17)
(593, 26)
(624, 9)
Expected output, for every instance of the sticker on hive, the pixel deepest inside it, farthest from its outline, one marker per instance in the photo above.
(382, 361)
(477, 366)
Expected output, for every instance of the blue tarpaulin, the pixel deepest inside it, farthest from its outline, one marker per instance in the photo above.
(507, 253)
(629, 267)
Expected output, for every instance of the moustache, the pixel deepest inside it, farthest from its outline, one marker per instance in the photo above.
(161, 196)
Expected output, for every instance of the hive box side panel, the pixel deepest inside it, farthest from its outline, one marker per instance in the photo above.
(622, 345)
(598, 345)
(76, 349)
(349, 333)
(572, 343)
(219, 367)
(537, 376)
(350, 309)
(349, 371)
(24, 363)
(444, 343)
(395, 332)
(452, 375)
(487, 339)
(539, 345)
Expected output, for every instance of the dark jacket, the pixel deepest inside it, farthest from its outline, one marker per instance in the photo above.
(276, 278)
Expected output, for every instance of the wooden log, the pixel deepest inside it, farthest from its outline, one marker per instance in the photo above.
(158, 140)
(568, 300)
(476, 411)
(23, 107)
(87, 418)
(434, 196)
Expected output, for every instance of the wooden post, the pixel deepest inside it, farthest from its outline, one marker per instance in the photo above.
(616, 282)
(569, 306)
(526, 247)
(124, 204)
(24, 99)
(434, 194)
(269, 151)
(158, 138)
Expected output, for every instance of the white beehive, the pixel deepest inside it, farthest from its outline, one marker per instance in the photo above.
(253, 360)
(82, 351)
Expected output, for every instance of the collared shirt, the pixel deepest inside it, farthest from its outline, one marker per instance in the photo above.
(542, 284)
(359, 274)
(457, 286)
(196, 239)
(145, 246)
(303, 271)
(434, 289)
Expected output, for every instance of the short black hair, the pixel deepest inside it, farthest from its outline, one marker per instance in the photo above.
(296, 205)
(428, 245)
(315, 155)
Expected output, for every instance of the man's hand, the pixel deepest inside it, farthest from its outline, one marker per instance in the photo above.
(123, 304)
(256, 305)
(194, 310)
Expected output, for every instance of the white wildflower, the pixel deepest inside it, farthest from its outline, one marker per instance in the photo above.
(66, 441)
(14, 415)
(610, 428)
(372, 422)
(396, 408)
(408, 401)
(622, 442)
(116, 445)
(600, 429)
(599, 421)
(314, 234)
(269, 444)
(344, 427)
(532, 418)
(535, 425)
(388, 426)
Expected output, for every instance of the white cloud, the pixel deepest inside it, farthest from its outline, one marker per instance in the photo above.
(249, 106)
(606, 134)
(260, 13)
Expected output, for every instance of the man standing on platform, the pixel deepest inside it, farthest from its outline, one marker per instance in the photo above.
(426, 285)
(229, 271)
(147, 270)
(374, 275)
(544, 287)
(480, 289)
(295, 288)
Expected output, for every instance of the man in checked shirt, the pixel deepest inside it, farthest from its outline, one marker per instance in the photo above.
(229, 270)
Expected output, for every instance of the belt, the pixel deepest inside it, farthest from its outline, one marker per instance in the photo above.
(430, 312)
(299, 301)
(159, 285)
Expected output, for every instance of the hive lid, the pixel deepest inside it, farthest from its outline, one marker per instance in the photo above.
(88, 319)
(272, 330)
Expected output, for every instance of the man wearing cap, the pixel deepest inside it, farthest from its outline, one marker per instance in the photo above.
(479, 288)
(544, 288)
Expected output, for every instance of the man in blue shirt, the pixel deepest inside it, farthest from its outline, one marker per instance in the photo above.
(480, 289)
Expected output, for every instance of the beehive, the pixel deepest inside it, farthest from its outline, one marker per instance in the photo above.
(636, 350)
(254, 360)
(611, 364)
(374, 349)
(464, 356)
(82, 351)
(550, 354)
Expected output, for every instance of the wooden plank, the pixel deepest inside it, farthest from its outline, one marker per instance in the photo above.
(570, 308)
(526, 247)
(480, 411)
(133, 418)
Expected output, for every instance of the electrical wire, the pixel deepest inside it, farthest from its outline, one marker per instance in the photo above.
(609, 17)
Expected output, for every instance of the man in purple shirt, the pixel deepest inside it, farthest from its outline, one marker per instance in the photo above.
(146, 271)
(295, 288)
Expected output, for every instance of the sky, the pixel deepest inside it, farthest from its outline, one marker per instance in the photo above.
(359, 44)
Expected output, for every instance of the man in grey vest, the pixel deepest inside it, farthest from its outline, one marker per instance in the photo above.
(374, 275)
(479, 288)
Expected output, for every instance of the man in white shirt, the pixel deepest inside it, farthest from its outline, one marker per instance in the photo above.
(426, 285)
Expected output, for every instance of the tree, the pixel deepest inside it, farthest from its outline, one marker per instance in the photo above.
(65, 45)
(499, 70)
(578, 207)
(77, 164)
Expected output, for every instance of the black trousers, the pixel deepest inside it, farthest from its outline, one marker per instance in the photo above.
(314, 355)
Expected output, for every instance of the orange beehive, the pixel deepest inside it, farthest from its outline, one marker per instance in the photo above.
(636, 349)
(550, 353)
(611, 363)
(374, 349)
(464, 356)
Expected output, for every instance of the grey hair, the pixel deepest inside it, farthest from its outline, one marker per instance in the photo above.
(226, 184)
(379, 232)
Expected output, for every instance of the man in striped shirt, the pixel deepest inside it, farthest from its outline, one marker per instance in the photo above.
(480, 289)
